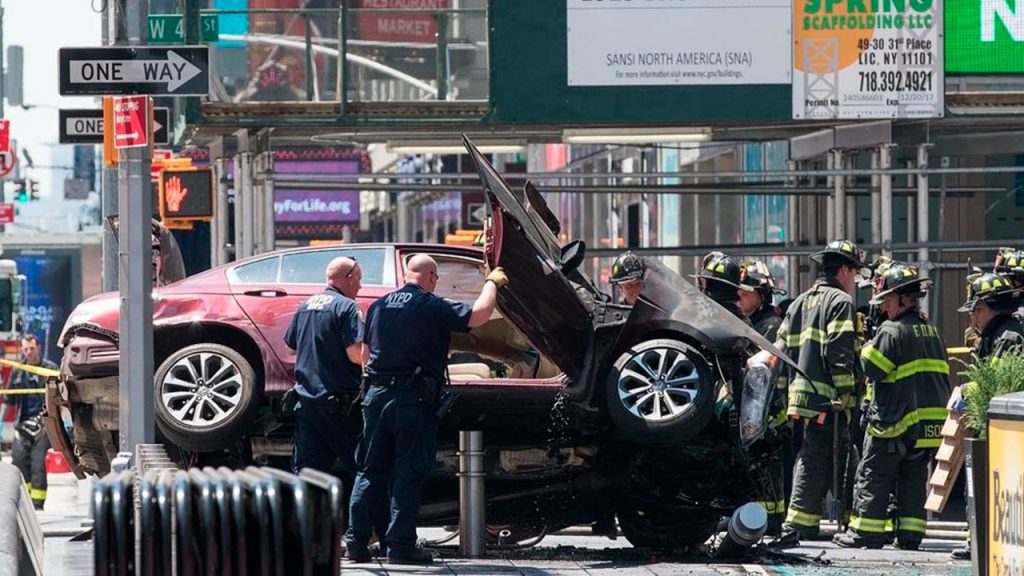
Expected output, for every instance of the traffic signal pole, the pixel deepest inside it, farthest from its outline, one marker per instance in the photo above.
(135, 368)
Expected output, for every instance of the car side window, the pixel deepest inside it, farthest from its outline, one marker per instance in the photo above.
(459, 278)
(258, 272)
(308, 267)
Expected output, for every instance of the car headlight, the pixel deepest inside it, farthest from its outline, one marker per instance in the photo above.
(758, 385)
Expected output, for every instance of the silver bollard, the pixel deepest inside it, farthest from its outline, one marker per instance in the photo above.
(472, 505)
(746, 526)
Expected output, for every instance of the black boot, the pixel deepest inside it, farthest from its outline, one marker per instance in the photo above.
(851, 539)
(414, 556)
(961, 553)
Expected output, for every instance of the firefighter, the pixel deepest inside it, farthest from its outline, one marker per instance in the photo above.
(992, 303)
(721, 279)
(30, 439)
(907, 369)
(628, 274)
(819, 334)
(757, 304)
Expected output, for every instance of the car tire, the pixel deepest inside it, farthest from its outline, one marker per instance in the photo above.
(660, 393)
(205, 397)
(651, 528)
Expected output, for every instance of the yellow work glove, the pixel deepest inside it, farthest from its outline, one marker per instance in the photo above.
(498, 277)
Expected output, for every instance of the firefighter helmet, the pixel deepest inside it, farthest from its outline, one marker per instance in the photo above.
(988, 287)
(1010, 261)
(759, 277)
(842, 251)
(899, 278)
(627, 266)
(721, 268)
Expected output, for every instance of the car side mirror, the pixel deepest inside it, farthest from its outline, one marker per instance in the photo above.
(572, 255)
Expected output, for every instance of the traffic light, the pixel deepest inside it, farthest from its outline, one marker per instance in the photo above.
(20, 191)
(33, 190)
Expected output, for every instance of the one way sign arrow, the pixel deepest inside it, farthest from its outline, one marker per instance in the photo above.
(175, 71)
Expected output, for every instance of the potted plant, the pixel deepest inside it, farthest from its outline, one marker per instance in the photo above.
(986, 379)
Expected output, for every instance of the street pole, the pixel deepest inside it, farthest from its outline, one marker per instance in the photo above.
(108, 176)
(923, 216)
(134, 271)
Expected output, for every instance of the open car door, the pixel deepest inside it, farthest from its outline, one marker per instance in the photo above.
(539, 297)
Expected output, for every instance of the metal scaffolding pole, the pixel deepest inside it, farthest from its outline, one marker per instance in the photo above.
(830, 200)
(255, 208)
(885, 186)
(792, 236)
(923, 215)
(269, 233)
(219, 234)
(876, 200)
(243, 197)
(839, 206)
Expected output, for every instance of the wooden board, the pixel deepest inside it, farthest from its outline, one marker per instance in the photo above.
(949, 459)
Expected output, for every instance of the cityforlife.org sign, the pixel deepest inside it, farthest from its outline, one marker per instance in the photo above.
(984, 36)
(678, 42)
(867, 59)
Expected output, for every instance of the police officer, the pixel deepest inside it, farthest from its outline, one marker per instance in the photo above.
(819, 334)
(30, 439)
(628, 274)
(991, 303)
(407, 334)
(757, 304)
(325, 336)
(907, 369)
(720, 278)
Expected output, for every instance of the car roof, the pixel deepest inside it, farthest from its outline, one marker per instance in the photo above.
(402, 246)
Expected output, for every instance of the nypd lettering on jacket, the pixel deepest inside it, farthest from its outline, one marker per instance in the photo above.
(397, 299)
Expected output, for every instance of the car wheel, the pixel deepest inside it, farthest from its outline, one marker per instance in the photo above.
(660, 392)
(205, 396)
(650, 528)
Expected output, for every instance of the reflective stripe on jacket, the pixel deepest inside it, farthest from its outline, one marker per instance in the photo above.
(819, 334)
(909, 373)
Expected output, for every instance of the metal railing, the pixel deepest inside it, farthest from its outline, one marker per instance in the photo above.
(218, 521)
(365, 54)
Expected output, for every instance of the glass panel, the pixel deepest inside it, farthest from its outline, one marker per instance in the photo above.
(308, 267)
(459, 279)
(280, 51)
(258, 272)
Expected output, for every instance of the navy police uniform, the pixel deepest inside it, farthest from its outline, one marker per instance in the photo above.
(326, 382)
(408, 333)
(30, 441)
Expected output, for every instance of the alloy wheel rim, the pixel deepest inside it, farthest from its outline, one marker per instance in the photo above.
(658, 384)
(202, 389)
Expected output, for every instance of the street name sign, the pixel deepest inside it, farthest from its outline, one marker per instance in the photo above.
(170, 29)
(122, 70)
(85, 126)
(131, 122)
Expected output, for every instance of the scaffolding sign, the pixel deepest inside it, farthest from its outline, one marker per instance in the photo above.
(867, 65)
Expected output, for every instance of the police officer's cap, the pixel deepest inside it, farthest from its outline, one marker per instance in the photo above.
(718, 267)
(758, 276)
(899, 278)
(627, 266)
(841, 252)
(988, 287)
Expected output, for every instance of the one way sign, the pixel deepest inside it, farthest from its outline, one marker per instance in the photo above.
(86, 126)
(157, 71)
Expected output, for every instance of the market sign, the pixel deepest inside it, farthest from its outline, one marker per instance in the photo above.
(400, 20)
(852, 62)
(691, 42)
(984, 37)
